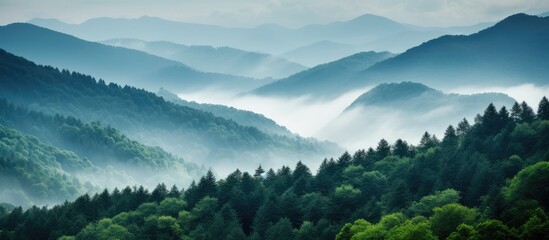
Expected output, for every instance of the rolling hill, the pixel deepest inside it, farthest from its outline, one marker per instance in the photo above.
(267, 38)
(322, 78)
(242, 117)
(218, 60)
(195, 135)
(496, 56)
(406, 110)
(114, 64)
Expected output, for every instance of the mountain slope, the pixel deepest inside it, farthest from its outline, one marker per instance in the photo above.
(114, 64)
(242, 117)
(99, 156)
(323, 78)
(267, 38)
(320, 52)
(404, 109)
(33, 172)
(439, 188)
(219, 60)
(497, 55)
(192, 134)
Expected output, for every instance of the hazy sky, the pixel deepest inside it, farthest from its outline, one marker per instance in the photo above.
(292, 13)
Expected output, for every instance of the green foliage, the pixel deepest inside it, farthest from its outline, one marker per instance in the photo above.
(488, 184)
(105, 229)
(426, 204)
(142, 115)
(530, 183)
(447, 218)
(41, 171)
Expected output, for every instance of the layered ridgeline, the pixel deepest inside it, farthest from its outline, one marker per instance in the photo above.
(219, 60)
(114, 64)
(496, 56)
(408, 109)
(46, 155)
(321, 79)
(366, 32)
(482, 181)
(193, 134)
(242, 117)
(34, 172)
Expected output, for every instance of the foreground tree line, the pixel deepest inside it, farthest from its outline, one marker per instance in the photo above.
(486, 180)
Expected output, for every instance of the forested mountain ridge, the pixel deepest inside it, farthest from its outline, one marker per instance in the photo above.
(114, 64)
(192, 134)
(85, 154)
(496, 55)
(419, 97)
(216, 59)
(369, 31)
(480, 181)
(242, 117)
(408, 109)
(512, 52)
(33, 172)
(322, 78)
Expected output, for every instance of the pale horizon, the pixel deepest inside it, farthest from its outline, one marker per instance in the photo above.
(250, 13)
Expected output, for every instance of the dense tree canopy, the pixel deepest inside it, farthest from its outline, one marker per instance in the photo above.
(481, 181)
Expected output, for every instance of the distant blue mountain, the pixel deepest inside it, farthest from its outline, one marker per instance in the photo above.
(268, 38)
(323, 78)
(114, 64)
(242, 117)
(418, 98)
(405, 110)
(216, 59)
(513, 51)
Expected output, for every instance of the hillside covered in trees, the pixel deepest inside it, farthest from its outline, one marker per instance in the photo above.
(190, 133)
(485, 180)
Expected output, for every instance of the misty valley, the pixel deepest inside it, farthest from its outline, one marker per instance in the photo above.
(369, 128)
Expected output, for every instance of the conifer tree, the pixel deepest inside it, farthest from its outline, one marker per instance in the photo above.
(543, 109)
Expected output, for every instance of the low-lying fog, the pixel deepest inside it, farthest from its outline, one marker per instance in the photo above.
(354, 129)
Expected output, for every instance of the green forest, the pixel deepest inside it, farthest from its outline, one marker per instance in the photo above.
(488, 179)
(144, 116)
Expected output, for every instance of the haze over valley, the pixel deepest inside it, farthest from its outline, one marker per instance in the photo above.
(133, 125)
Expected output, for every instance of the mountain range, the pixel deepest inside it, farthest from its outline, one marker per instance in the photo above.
(368, 32)
(192, 134)
(48, 159)
(113, 64)
(242, 117)
(406, 110)
(323, 78)
(216, 59)
(496, 56)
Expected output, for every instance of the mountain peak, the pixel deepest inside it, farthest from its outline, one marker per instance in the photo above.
(519, 20)
(393, 92)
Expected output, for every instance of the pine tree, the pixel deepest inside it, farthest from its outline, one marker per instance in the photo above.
(383, 149)
(543, 109)
(504, 117)
(527, 115)
(426, 141)
(258, 172)
(174, 192)
(401, 148)
(207, 185)
(450, 137)
(463, 128)
(159, 193)
(516, 112)
(490, 119)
